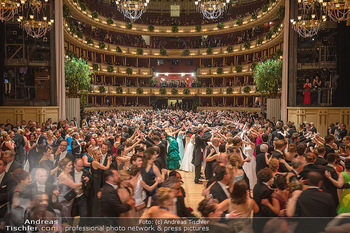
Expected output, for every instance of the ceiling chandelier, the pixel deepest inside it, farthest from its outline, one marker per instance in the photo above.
(36, 24)
(310, 18)
(8, 9)
(211, 9)
(132, 9)
(338, 10)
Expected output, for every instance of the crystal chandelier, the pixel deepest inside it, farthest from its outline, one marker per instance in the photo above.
(132, 9)
(310, 18)
(36, 24)
(338, 10)
(211, 9)
(8, 9)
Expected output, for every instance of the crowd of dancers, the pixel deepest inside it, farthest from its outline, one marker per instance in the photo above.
(129, 164)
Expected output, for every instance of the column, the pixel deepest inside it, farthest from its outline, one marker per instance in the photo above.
(284, 89)
(59, 49)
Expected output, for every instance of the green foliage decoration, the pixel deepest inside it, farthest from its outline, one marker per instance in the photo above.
(174, 29)
(198, 28)
(229, 49)
(268, 35)
(209, 51)
(220, 25)
(102, 45)
(110, 21)
(83, 6)
(95, 67)
(139, 91)
(162, 91)
(118, 49)
(139, 51)
(209, 91)
(238, 68)
(254, 15)
(110, 68)
(186, 52)
(246, 89)
(128, 71)
(219, 70)
(128, 25)
(268, 77)
(229, 90)
(94, 14)
(280, 12)
(239, 21)
(66, 11)
(174, 91)
(265, 7)
(119, 90)
(102, 89)
(162, 52)
(186, 91)
(151, 28)
(247, 45)
(77, 76)
(89, 40)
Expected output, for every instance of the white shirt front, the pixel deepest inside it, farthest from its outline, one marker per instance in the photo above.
(41, 188)
(8, 166)
(224, 188)
(63, 155)
(2, 176)
(77, 178)
(103, 157)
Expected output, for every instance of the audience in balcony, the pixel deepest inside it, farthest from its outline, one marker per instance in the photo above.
(186, 18)
(211, 41)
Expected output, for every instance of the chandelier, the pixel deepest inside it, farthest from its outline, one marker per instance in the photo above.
(211, 9)
(338, 10)
(8, 9)
(132, 9)
(310, 18)
(36, 24)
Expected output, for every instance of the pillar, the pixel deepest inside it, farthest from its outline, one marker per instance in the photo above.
(59, 49)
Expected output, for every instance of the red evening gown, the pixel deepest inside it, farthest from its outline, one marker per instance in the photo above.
(307, 95)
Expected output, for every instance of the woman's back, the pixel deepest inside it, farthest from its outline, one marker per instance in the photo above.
(244, 209)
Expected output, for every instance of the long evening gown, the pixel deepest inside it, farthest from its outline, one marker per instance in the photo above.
(344, 205)
(96, 178)
(173, 159)
(307, 95)
(186, 164)
(249, 168)
(180, 142)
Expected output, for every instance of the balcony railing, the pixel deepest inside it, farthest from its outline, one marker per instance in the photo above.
(121, 70)
(226, 71)
(193, 91)
(237, 49)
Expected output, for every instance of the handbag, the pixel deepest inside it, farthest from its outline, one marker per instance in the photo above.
(70, 195)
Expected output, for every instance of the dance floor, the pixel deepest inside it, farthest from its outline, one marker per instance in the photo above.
(193, 191)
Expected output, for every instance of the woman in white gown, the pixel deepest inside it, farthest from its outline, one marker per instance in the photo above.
(186, 164)
(249, 168)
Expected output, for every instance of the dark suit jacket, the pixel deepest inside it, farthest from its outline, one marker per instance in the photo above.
(329, 187)
(75, 148)
(312, 167)
(199, 144)
(182, 210)
(328, 149)
(14, 166)
(7, 184)
(278, 155)
(261, 191)
(68, 155)
(217, 192)
(161, 159)
(110, 204)
(320, 161)
(315, 203)
(260, 162)
(19, 149)
(270, 148)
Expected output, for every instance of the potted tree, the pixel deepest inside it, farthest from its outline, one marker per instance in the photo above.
(78, 84)
(268, 78)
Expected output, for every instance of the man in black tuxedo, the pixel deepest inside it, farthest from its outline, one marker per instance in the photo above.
(6, 185)
(310, 159)
(40, 185)
(155, 141)
(178, 208)
(261, 158)
(219, 190)
(19, 149)
(75, 145)
(330, 169)
(314, 203)
(320, 159)
(199, 146)
(298, 167)
(62, 152)
(329, 140)
(212, 150)
(264, 138)
(12, 164)
(262, 191)
(278, 153)
(110, 203)
(80, 206)
(58, 141)
(291, 130)
(40, 143)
